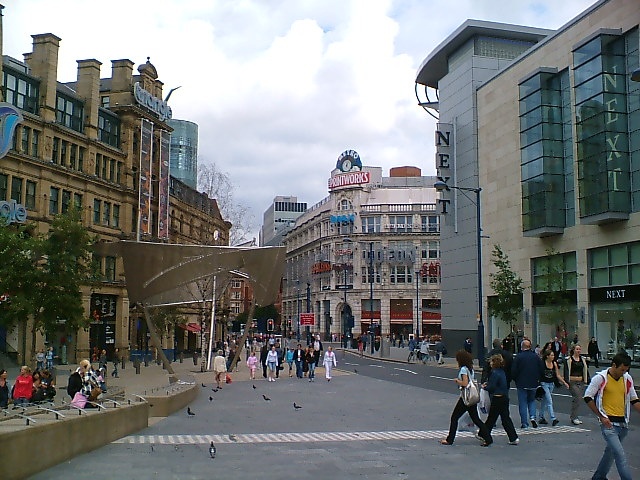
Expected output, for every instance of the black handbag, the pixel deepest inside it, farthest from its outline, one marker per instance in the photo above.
(540, 393)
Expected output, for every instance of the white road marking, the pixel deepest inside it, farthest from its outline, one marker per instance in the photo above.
(405, 370)
(347, 363)
(327, 436)
(377, 366)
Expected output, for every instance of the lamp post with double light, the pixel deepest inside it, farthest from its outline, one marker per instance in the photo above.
(442, 186)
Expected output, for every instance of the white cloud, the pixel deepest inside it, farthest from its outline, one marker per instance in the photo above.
(279, 88)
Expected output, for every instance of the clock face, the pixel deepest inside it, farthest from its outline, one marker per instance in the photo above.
(348, 160)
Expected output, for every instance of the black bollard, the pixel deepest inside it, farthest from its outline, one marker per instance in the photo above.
(123, 362)
(181, 357)
(136, 365)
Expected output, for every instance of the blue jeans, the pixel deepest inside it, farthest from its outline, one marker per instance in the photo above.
(613, 437)
(299, 368)
(546, 404)
(312, 370)
(526, 405)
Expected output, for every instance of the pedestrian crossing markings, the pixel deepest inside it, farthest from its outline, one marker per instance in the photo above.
(310, 437)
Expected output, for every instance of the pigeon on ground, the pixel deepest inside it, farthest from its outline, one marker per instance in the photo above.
(190, 413)
(212, 450)
(233, 438)
(355, 371)
(203, 385)
(211, 399)
(254, 387)
(267, 399)
(296, 406)
(215, 390)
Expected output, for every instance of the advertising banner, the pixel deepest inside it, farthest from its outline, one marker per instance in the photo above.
(144, 192)
(163, 186)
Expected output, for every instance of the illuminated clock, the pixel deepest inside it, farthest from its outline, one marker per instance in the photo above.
(348, 160)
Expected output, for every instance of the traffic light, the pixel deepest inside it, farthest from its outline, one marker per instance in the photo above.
(270, 325)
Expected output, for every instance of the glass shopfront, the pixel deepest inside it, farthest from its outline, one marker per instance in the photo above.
(616, 320)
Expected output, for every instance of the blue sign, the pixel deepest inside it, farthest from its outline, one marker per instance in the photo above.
(10, 117)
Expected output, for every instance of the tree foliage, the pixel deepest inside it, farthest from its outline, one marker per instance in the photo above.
(43, 275)
(508, 287)
(217, 185)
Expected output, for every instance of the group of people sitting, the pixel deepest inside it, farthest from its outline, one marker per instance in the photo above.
(86, 385)
(29, 387)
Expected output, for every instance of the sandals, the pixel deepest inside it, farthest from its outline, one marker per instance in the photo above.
(445, 442)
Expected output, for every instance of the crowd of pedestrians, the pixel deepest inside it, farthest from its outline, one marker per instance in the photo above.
(610, 394)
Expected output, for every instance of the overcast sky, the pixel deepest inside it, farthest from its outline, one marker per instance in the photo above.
(279, 88)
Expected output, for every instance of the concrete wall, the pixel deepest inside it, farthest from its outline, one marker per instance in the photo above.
(66, 438)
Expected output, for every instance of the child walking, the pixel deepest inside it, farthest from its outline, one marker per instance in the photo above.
(252, 361)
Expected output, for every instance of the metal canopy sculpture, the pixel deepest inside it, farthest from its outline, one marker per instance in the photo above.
(160, 274)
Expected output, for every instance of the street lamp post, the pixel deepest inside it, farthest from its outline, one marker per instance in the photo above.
(442, 186)
(298, 309)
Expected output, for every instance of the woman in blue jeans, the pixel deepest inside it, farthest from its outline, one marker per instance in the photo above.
(550, 376)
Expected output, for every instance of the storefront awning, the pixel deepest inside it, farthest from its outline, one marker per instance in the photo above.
(191, 327)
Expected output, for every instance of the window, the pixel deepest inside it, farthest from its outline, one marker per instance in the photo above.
(16, 189)
(400, 274)
(401, 223)
(4, 186)
(73, 157)
(106, 213)
(115, 218)
(54, 201)
(97, 208)
(66, 200)
(25, 140)
(55, 151)
(546, 158)
(554, 273)
(110, 269)
(30, 195)
(602, 129)
(105, 101)
(369, 274)
(96, 171)
(80, 159)
(21, 90)
(69, 112)
(371, 224)
(112, 170)
(430, 223)
(345, 205)
(35, 142)
(77, 201)
(430, 250)
(108, 128)
(237, 284)
(614, 265)
(64, 148)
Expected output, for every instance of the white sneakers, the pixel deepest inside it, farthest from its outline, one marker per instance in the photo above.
(576, 421)
(515, 442)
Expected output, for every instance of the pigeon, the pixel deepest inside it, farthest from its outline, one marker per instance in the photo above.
(254, 387)
(296, 406)
(233, 438)
(267, 399)
(215, 390)
(355, 371)
(211, 399)
(212, 450)
(190, 413)
(203, 385)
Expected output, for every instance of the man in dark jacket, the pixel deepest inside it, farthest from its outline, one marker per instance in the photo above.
(526, 372)
(508, 361)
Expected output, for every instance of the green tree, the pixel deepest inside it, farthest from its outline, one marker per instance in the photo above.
(508, 287)
(64, 268)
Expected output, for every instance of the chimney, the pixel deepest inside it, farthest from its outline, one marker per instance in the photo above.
(121, 82)
(43, 62)
(88, 88)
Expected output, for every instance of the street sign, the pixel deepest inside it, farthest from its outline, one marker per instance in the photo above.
(307, 319)
(344, 287)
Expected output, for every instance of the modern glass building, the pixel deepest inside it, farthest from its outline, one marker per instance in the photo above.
(183, 163)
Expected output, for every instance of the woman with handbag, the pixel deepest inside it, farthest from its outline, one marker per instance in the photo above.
(499, 392)
(464, 404)
(550, 379)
